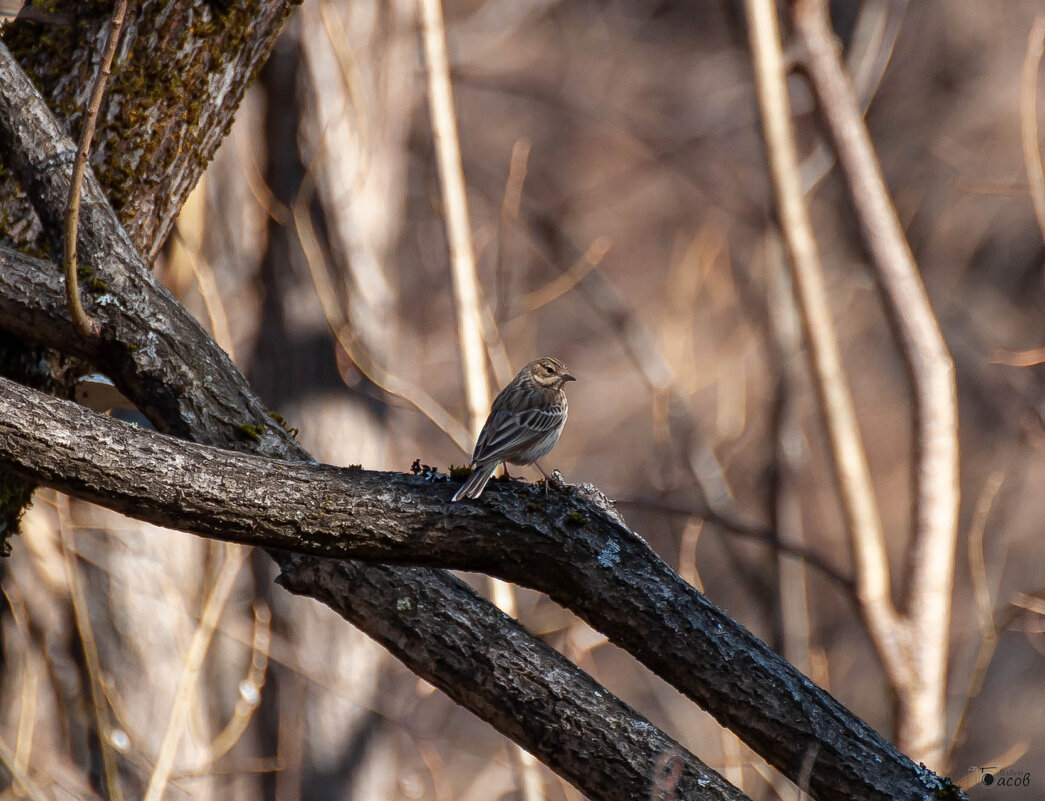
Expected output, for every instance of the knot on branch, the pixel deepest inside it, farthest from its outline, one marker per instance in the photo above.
(593, 496)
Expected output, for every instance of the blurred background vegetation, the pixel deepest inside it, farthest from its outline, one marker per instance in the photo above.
(623, 222)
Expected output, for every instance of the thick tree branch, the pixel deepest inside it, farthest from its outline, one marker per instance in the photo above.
(561, 707)
(183, 69)
(572, 546)
(353, 512)
(157, 331)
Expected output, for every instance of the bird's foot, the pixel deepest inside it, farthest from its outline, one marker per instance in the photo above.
(506, 476)
(558, 481)
(555, 479)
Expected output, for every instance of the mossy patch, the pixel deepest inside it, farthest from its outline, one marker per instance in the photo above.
(250, 431)
(159, 92)
(460, 472)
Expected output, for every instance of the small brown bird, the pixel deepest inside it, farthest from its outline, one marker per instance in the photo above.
(525, 422)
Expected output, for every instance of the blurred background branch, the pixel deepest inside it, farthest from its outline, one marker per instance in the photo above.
(455, 206)
(1029, 119)
(849, 456)
(921, 684)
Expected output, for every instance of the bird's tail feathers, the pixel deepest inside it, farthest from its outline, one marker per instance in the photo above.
(476, 482)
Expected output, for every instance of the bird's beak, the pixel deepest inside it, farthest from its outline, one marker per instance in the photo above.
(568, 377)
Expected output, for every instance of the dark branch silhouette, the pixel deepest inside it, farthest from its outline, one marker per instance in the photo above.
(572, 546)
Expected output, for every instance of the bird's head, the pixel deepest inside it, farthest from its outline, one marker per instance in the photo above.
(550, 373)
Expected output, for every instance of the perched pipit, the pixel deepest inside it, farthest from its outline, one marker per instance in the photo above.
(525, 422)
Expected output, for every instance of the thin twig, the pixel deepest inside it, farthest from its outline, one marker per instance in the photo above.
(30, 679)
(256, 184)
(441, 787)
(790, 457)
(350, 341)
(744, 530)
(500, 363)
(27, 708)
(871, 45)
(921, 686)
(1030, 601)
(201, 639)
(989, 629)
(687, 563)
(806, 771)
(84, 324)
(90, 651)
(188, 236)
(207, 285)
(337, 36)
(1029, 118)
(513, 187)
(565, 281)
(250, 689)
(455, 201)
(977, 562)
(850, 460)
(18, 776)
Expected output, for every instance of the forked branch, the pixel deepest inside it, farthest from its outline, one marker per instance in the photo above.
(930, 552)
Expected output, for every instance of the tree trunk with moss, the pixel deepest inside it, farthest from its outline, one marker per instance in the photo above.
(179, 73)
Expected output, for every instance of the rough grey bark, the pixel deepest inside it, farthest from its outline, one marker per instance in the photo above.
(180, 73)
(155, 330)
(600, 736)
(476, 654)
(571, 545)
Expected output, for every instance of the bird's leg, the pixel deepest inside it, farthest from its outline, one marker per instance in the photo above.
(507, 475)
(548, 479)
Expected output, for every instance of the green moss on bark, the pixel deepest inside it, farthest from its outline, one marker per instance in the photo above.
(179, 73)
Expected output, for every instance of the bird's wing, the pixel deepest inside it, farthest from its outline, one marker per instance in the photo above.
(506, 433)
